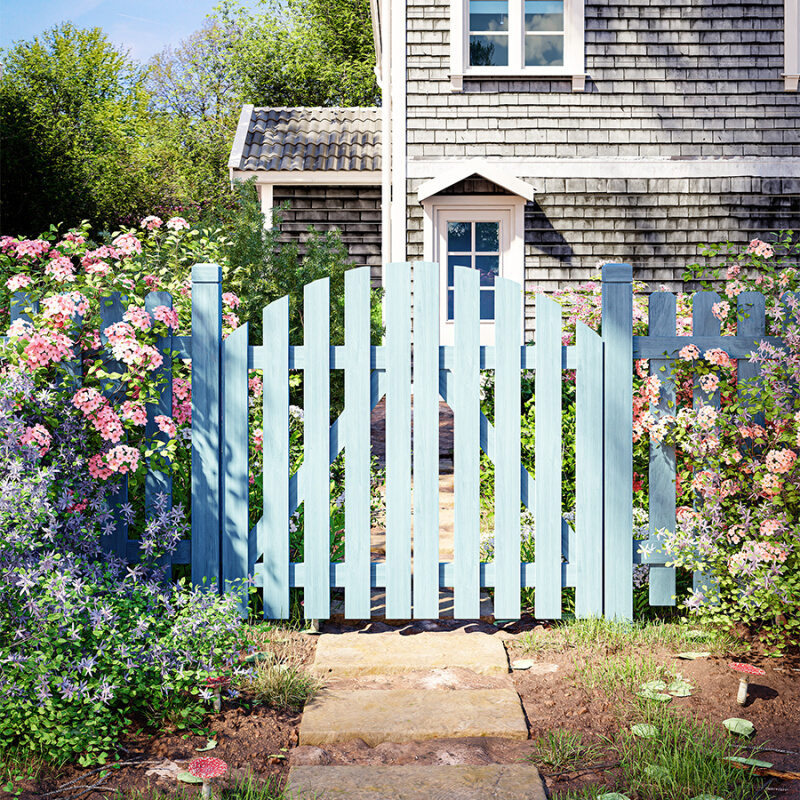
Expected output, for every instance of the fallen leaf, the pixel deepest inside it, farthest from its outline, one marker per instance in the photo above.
(165, 769)
(738, 761)
(680, 688)
(187, 777)
(648, 694)
(691, 655)
(523, 663)
(210, 746)
(742, 727)
(613, 796)
(644, 730)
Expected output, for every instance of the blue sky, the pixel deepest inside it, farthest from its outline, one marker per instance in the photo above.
(143, 27)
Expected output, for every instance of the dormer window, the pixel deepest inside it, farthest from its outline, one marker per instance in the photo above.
(516, 38)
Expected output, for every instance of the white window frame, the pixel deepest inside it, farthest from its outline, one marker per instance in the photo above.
(791, 45)
(508, 209)
(574, 45)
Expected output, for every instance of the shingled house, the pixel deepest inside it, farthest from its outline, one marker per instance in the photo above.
(532, 138)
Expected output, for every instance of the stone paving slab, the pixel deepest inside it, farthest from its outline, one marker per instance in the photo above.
(403, 715)
(349, 655)
(415, 782)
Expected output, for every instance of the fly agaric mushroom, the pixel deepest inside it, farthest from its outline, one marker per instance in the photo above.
(207, 768)
(746, 671)
(218, 684)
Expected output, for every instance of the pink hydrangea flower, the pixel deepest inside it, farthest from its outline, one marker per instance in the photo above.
(258, 438)
(720, 310)
(256, 385)
(709, 383)
(717, 357)
(17, 282)
(37, 435)
(781, 461)
(138, 317)
(761, 249)
(151, 223)
(32, 248)
(230, 299)
(127, 244)
(689, 353)
(61, 269)
(133, 412)
(181, 388)
(166, 425)
(231, 319)
(169, 316)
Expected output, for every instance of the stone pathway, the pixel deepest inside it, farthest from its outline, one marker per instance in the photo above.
(451, 684)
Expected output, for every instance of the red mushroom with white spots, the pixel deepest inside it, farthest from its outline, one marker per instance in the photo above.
(746, 671)
(217, 685)
(207, 768)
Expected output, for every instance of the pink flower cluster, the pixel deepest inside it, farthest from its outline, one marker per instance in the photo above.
(256, 385)
(94, 261)
(31, 248)
(152, 282)
(781, 461)
(44, 347)
(152, 223)
(230, 299)
(127, 244)
(17, 282)
(177, 224)
(119, 459)
(761, 249)
(181, 391)
(231, 319)
(718, 357)
(166, 425)
(169, 316)
(709, 383)
(134, 412)
(62, 307)
(99, 412)
(125, 347)
(61, 269)
(690, 352)
(769, 527)
(37, 435)
(138, 317)
(258, 439)
(720, 310)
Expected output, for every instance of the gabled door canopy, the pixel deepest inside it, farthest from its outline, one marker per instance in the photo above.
(484, 169)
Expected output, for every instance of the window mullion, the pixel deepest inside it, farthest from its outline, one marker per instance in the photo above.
(516, 33)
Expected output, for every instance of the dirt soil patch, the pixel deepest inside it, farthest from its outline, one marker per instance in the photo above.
(561, 691)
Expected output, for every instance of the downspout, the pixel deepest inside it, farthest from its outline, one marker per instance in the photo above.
(385, 81)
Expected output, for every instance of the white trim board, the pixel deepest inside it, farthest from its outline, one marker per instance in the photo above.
(317, 177)
(622, 168)
(461, 171)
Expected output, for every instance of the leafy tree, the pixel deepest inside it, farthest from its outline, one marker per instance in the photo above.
(72, 108)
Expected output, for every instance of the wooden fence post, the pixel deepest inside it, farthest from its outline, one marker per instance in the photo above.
(206, 342)
(617, 299)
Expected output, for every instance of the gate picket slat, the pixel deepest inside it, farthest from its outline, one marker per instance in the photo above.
(316, 453)
(662, 456)
(548, 458)
(704, 323)
(751, 321)
(466, 408)
(507, 482)
(272, 530)
(356, 436)
(589, 474)
(398, 440)
(236, 466)
(617, 322)
(426, 440)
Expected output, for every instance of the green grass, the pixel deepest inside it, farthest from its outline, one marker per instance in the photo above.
(562, 749)
(282, 685)
(619, 675)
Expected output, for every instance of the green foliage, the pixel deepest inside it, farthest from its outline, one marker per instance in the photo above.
(71, 110)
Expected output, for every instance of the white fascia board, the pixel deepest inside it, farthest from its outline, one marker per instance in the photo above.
(533, 168)
(375, 15)
(239, 139)
(791, 44)
(318, 177)
(501, 176)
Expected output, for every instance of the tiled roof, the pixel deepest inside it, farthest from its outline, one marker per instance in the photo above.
(307, 139)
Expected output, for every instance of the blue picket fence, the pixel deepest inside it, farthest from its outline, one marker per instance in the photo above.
(596, 555)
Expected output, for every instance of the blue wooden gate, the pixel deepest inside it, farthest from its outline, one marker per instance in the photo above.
(594, 556)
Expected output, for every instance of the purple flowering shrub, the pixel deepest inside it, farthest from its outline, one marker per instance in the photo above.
(85, 639)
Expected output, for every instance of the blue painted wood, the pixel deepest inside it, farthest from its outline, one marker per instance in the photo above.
(235, 467)
(397, 280)
(426, 440)
(159, 482)
(466, 461)
(617, 321)
(206, 500)
(19, 305)
(507, 483)
(704, 323)
(272, 529)
(111, 310)
(316, 444)
(356, 435)
(662, 456)
(589, 474)
(548, 458)
(751, 322)
(668, 346)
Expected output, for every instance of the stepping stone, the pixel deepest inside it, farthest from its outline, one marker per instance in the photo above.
(348, 655)
(415, 782)
(403, 715)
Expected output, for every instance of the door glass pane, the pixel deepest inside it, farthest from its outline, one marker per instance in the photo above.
(459, 237)
(487, 237)
(488, 267)
(488, 51)
(488, 15)
(544, 15)
(456, 261)
(487, 303)
(450, 304)
(544, 50)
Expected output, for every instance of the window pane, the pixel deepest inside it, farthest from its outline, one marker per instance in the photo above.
(459, 237)
(488, 51)
(487, 304)
(456, 261)
(488, 267)
(544, 15)
(544, 51)
(488, 15)
(487, 237)
(450, 304)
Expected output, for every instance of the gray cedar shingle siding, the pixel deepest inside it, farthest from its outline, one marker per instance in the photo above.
(314, 139)
(665, 80)
(354, 210)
